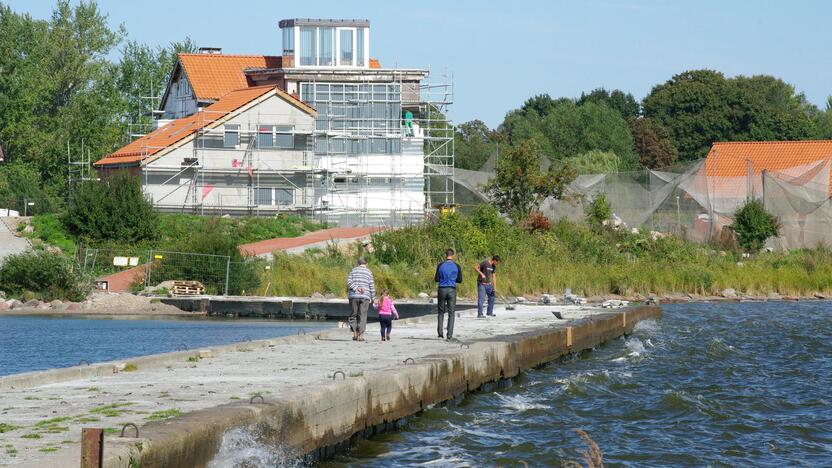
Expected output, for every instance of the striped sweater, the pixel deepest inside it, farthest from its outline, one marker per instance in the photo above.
(360, 283)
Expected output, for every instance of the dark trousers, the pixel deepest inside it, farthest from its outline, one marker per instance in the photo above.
(485, 290)
(386, 322)
(447, 304)
(358, 314)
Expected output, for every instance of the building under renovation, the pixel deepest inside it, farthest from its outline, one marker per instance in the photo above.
(322, 129)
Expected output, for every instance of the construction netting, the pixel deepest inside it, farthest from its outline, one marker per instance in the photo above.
(692, 202)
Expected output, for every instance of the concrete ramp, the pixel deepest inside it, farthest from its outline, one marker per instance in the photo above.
(9, 243)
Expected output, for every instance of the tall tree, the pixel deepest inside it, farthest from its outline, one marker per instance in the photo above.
(652, 143)
(572, 130)
(624, 103)
(519, 186)
(474, 144)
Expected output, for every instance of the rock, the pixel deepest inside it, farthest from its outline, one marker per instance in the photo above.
(53, 249)
(773, 295)
(330, 296)
(119, 367)
(205, 353)
(73, 306)
(3, 295)
(16, 304)
(44, 305)
(29, 229)
(592, 299)
(316, 295)
(31, 303)
(60, 306)
(4, 306)
(819, 295)
(728, 292)
(56, 302)
(423, 295)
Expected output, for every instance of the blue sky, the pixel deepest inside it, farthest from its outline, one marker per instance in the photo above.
(501, 53)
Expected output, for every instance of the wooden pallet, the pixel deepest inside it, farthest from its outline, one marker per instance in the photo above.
(187, 288)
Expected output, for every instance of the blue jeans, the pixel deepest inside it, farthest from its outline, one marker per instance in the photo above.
(485, 289)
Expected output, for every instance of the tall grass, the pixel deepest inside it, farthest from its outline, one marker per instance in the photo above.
(569, 255)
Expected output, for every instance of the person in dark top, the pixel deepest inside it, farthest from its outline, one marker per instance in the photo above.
(487, 284)
(448, 275)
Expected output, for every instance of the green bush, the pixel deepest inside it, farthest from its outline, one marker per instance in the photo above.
(112, 209)
(753, 225)
(48, 275)
(598, 211)
(51, 230)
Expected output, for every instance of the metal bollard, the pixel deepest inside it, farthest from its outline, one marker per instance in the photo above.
(92, 447)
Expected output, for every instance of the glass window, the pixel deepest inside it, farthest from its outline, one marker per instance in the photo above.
(288, 40)
(327, 41)
(308, 48)
(346, 46)
(284, 138)
(284, 197)
(265, 136)
(231, 137)
(263, 196)
(359, 47)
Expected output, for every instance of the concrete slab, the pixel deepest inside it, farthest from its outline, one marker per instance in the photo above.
(45, 418)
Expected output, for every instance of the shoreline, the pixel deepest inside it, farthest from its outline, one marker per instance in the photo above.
(161, 310)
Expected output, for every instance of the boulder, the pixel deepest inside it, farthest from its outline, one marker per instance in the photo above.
(205, 353)
(728, 293)
(773, 296)
(56, 302)
(73, 306)
(316, 295)
(29, 229)
(15, 304)
(31, 303)
(819, 295)
(4, 305)
(423, 295)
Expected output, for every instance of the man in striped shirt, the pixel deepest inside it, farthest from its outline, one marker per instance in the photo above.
(361, 290)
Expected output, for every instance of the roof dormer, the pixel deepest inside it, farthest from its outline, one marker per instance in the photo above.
(325, 43)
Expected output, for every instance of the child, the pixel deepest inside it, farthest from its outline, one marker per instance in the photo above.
(386, 312)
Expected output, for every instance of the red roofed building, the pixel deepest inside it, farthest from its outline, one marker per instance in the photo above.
(377, 149)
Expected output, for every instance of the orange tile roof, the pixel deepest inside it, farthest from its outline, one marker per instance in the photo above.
(374, 63)
(181, 130)
(214, 75)
(730, 159)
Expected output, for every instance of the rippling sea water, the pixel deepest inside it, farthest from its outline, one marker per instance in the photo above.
(38, 343)
(742, 384)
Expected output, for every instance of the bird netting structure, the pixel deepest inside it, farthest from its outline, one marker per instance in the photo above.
(696, 202)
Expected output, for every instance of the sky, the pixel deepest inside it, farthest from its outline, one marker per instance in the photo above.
(498, 54)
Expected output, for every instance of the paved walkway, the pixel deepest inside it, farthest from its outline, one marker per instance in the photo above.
(9, 243)
(46, 418)
(312, 239)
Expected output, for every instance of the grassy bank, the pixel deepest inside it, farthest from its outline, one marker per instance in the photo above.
(590, 262)
(176, 228)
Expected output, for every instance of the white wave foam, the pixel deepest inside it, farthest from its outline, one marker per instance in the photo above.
(635, 346)
(519, 403)
(648, 326)
(242, 448)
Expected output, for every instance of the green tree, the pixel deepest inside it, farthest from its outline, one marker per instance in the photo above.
(823, 121)
(624, 103)
(113, 209)
(598, 211)
(473, 145)
(695, 107)
(652, 143)
(572, 130)
(753, 225)
(596, 162)
(519, 186)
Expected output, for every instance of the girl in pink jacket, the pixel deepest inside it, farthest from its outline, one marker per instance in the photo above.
(386, 312)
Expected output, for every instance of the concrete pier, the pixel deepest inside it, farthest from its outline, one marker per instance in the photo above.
(306, 395)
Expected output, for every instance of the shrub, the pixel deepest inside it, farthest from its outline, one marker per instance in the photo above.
(753, 225)
(598, 211)
(50, 276)
(536, 222)
(112, 209)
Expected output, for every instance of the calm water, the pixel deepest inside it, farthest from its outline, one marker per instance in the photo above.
(708, 385)
(36, 343)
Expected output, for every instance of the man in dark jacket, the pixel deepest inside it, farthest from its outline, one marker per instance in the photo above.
(448, 275)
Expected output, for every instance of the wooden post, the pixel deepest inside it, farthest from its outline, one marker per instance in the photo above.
(92, 448)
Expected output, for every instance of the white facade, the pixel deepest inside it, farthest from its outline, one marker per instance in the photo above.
(179, 100)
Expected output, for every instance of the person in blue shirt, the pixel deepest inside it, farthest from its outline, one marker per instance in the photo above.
(448, 275)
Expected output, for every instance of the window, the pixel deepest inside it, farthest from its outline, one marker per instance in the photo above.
(276, 136)
(289, 41)
(346, 46)
(284, 197)
(308, 48)
(359, 47)
(269, 196)
(327, 41)
(231, 137)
